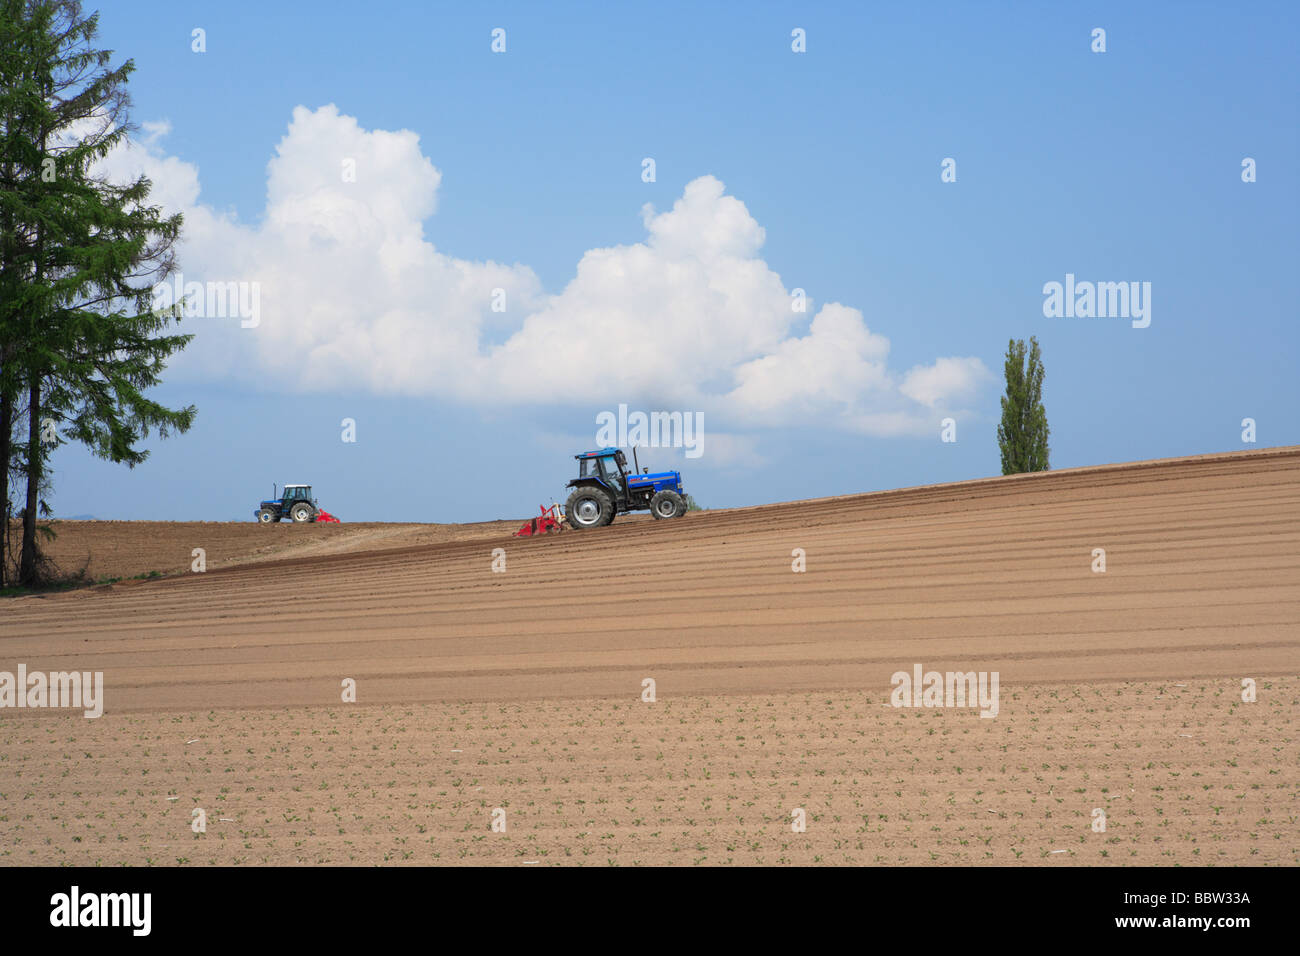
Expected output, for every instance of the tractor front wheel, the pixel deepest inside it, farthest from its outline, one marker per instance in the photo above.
(264, 516)
(667, 504)
(301, 512)
(588, 508)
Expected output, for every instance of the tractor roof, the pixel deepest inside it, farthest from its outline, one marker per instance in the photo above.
(599, 453)
(297, 486)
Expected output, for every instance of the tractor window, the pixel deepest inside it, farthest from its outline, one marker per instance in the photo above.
(588, 468)
(609, 467)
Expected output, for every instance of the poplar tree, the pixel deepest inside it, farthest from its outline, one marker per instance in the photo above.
(1023, 433)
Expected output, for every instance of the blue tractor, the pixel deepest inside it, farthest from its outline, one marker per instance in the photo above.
(605, 488)
(296, 502)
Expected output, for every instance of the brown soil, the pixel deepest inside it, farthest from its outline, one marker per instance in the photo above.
(521, 690)
(125, 549)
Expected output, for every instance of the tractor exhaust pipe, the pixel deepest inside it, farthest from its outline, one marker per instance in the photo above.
(636, 465)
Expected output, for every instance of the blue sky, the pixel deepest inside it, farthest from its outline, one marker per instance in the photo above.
(1115, 166)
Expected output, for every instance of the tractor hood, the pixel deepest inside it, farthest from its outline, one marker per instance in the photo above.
(672, 480)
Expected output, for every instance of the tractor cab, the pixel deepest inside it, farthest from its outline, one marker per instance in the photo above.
(294, 493)
(608, 465)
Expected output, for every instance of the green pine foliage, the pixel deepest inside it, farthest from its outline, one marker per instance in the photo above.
(80, 342)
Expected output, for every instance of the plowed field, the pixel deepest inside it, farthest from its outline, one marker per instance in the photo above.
(520, 688)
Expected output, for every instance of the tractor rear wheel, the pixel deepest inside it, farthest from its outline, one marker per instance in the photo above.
(301, 512)
(264, 516)
(588, 508)
(667, 504)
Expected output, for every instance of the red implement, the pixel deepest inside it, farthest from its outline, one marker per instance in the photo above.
(327, 517)
(546, 522)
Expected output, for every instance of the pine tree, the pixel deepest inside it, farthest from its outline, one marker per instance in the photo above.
(1022, 435)
(78, 333)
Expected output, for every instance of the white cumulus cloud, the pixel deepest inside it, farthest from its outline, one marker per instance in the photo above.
(352, 295)
(948, 380)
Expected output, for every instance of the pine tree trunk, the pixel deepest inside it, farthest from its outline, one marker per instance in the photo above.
(35, 454)
(6, 449)
(27, 566)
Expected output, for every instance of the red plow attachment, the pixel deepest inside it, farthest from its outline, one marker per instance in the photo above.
(546, 522)
(327, 518)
